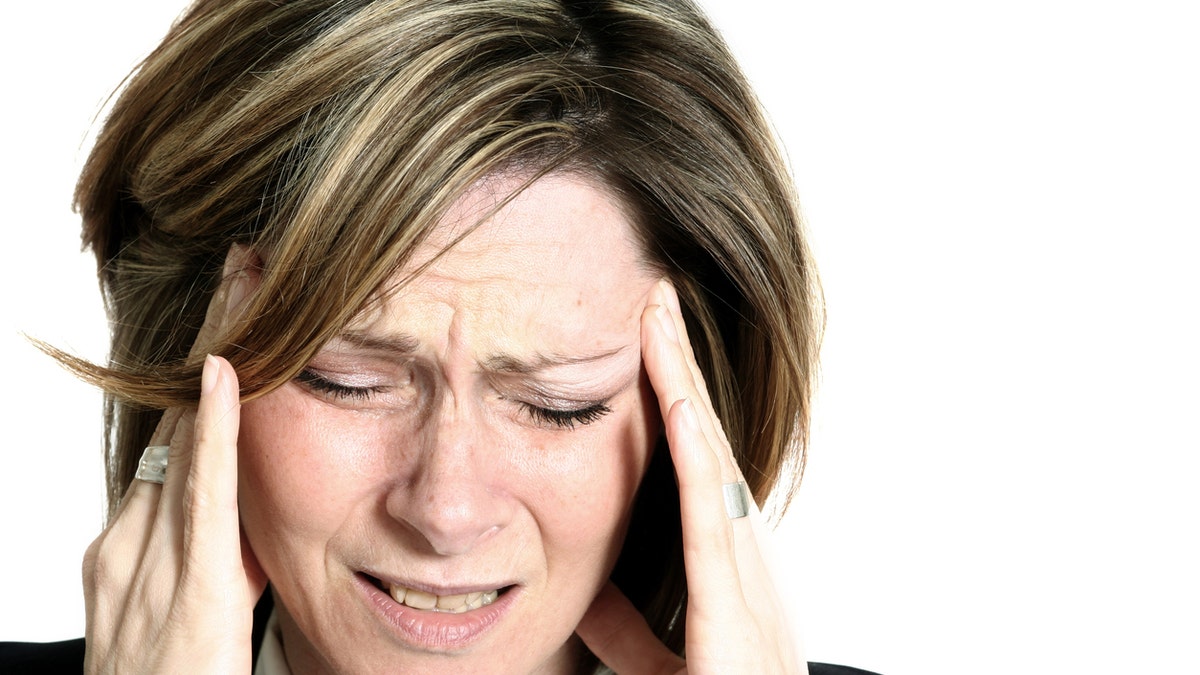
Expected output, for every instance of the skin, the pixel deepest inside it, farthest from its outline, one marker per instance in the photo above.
(434, 470)
(442, 475)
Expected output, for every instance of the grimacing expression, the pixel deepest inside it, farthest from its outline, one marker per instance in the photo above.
(472, 443)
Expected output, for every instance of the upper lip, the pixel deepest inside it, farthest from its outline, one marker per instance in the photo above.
(438, 589)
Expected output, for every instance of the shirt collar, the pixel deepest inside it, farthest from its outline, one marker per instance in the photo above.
(271, 660)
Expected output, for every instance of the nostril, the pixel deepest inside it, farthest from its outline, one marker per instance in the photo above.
(450, 512)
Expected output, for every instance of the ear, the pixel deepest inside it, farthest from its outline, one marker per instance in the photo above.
(240, 277)
(242, 258)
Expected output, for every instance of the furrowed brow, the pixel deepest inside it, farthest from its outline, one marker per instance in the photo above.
(508, 364)
(400, 344)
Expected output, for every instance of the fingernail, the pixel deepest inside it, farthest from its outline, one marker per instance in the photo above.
(671, 296)
(667, 323)
(208, 376)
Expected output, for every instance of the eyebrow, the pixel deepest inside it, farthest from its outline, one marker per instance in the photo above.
(402, 344)
(503, 363)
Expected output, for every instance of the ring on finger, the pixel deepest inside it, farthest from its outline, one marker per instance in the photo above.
(737, 499)
(153, 466)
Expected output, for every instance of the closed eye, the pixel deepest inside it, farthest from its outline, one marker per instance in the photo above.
(566, 419)
(322, 385)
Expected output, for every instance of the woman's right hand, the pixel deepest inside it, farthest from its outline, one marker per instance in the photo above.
(170, 585)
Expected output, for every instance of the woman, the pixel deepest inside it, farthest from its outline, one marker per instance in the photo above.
(515, 301)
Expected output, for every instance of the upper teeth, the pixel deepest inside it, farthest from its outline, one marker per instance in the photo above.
(455, 604)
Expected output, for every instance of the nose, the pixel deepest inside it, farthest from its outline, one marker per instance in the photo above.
(454, 498)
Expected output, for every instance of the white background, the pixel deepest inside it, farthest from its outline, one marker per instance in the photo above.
(1004, 200)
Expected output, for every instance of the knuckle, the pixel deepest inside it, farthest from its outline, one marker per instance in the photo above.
(183, 435)
(194, 503)
(90, 562)
(196, 513)
(167, 426)
(98, 566)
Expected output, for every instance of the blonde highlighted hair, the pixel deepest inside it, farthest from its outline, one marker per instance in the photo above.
(330, 135)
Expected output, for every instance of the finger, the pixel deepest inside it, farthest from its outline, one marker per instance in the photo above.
(120, 549)
(693, 385)
(128, 533)
(707, 534)
(620, 637)
(165, 430)
(710, 421)
(730, 584)
(669, 297)
(179, 466)
(210, 495)
(228, 298)
(709, 555)
(673, 377)
(144, 493)
(722, 557)
(181, 435)
(105, 568)
(749, 558)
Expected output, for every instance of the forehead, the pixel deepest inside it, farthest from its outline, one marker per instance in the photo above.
(561, 216)
(556, 266)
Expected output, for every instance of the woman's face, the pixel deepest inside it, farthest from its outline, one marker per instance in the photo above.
(480, 433)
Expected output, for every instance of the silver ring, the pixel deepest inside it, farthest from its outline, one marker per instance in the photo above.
(153, 466)
(737, 500)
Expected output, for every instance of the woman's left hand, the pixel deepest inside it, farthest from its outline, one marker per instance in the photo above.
(735, 619)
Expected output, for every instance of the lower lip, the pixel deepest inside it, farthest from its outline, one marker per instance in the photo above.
(435, 631)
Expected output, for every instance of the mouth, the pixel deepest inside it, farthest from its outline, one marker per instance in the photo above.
(437, 619)
(449, 602)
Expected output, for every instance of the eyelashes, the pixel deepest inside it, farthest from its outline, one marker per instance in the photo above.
(567, 419)
(547, 417)
(319, 384)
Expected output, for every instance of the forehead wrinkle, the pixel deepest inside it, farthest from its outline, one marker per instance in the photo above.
(511, 365)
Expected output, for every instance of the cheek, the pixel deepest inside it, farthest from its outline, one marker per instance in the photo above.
(586, 490)
(298, 475)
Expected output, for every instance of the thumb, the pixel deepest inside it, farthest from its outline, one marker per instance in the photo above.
(618, 635)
